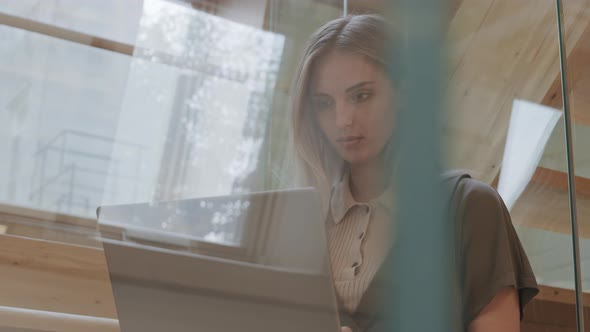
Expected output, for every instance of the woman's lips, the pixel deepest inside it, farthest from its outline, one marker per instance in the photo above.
(350, 141)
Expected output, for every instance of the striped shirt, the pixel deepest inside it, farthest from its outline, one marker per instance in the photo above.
(359, 236)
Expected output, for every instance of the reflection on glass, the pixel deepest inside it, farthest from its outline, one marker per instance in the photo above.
(296, 20)
(201, 110)
(109, 19)
(60, 104)
(529, 129)
(206, 83)
(263, 228)
(203, 86)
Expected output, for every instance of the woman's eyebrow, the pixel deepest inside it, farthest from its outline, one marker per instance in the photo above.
(318, 94)
(359, 85)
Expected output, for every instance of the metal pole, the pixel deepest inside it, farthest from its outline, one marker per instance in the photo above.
(570, 169)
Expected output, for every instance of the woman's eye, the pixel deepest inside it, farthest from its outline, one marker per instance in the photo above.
(319, 104)
(362, 96)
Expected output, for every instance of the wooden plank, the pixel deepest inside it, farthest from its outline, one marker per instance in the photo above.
(45, 231)
(546, 207)
(578, 72)
(554, 97)
(39, 224)
(66, 34)
(536, 327)
(50, 276)
(500, 50)
(545, 202)
(552, 314)
(44, 215)
(559, 180)
(64, 278)
(560, 295)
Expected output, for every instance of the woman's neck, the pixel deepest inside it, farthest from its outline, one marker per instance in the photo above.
(367, 181)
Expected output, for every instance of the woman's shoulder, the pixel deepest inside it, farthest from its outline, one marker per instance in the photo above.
(465, 188)
(478, 195)
(478, 208)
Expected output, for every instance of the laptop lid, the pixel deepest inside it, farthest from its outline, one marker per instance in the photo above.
(252, 262)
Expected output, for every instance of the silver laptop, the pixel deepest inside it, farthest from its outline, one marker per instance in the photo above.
(251, 262)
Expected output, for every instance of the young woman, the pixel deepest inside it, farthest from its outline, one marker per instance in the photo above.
(343, 120)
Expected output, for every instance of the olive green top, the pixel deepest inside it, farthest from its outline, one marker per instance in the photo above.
(488, 256)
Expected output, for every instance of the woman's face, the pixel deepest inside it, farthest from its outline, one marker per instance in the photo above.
(352, 102)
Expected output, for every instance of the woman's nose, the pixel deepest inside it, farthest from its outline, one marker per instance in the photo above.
(344, 115)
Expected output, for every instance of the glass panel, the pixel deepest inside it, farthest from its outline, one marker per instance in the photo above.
(70, 131)
(201, 100)
(504, 128)
(109, 19)
(286, 19)
(61, 103)
(576, 34)
(502, 63)
(176, 141)
(171, 142)
(200, 142)
(197, 142)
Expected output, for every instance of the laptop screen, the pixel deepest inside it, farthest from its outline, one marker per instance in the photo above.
(270, 268)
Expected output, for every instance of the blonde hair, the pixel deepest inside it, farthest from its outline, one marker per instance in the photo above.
(317, 164)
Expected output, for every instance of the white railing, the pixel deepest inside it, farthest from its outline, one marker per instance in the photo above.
(46, 321)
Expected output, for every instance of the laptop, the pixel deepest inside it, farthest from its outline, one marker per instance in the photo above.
(248, 262)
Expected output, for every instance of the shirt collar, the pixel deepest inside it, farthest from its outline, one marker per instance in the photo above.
(342, 199)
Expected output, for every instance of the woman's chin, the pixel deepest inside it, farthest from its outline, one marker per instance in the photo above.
(357, 159)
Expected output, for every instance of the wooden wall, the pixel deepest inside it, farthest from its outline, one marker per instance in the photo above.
(57, 277)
